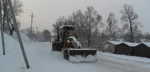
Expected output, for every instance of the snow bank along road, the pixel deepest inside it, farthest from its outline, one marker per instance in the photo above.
(42, 59)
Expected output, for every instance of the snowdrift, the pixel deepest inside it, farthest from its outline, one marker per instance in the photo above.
(125, 57)
(24, 37)
(13, 60)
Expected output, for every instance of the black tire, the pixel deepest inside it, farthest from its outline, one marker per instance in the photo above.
(65, 55)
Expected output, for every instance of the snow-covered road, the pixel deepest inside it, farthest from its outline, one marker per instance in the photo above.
(42, 59)
(54, 60)
(116, 65)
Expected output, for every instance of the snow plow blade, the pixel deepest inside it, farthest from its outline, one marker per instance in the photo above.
(82, 55)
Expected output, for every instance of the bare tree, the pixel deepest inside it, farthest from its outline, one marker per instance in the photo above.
(30, 33)
(61, 21)
(147, 37)
(93, 20)
(112, 26)
(87, 25)
(7, 17)
(46, 35)
(81, 28)
(129, 18)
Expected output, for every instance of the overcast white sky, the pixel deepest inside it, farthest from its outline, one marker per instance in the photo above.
(48, 11)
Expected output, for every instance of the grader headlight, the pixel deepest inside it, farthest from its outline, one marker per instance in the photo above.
(68, 41)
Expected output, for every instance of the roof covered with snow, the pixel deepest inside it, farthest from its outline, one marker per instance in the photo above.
(131, 44)
(114, 42)
(127, 43)
(146, 43)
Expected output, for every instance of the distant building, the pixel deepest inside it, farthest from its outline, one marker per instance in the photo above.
(110, 46)
(118, 47)
(127, 48)
(123, 49)
(143, 49)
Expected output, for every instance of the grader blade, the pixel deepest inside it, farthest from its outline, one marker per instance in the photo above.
(82, 55)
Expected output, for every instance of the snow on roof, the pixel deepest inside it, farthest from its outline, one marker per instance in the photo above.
(131, 44)
(146, 43)
(127, 43)
(115, 42)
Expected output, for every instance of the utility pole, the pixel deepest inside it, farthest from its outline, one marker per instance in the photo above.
(31, 25)
(36, 30)
(2, 30)
(36, 33)
(18, 34)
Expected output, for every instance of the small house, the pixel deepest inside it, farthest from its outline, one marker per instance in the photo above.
(126, 48)
(143, 49)
(123, 49)
(110, 46)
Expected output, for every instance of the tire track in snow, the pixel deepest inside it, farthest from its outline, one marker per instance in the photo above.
(116, 65)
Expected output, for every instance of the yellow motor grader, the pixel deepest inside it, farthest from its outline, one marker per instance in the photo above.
(67, 42)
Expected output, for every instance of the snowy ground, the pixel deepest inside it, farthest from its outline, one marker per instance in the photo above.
(42, 59)
(126, 57)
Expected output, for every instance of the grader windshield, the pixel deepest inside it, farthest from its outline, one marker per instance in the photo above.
(69, 30)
